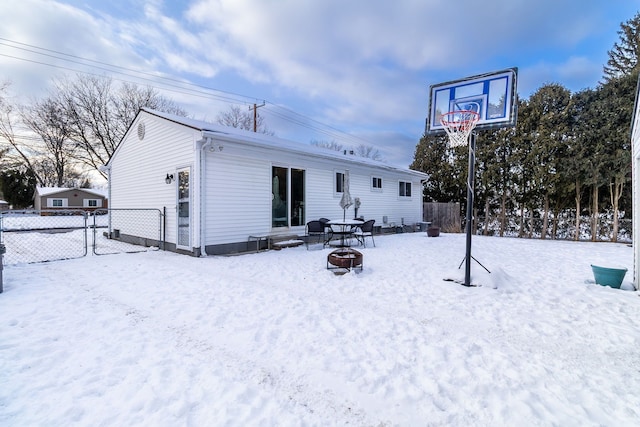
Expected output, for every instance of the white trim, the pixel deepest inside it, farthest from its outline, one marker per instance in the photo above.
(189, 200)
(335, 182)
(50, 200)
(405, 197)
(85, 203)
(374, 188)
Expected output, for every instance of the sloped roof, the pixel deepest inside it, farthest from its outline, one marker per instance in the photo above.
(269, 141)
(47, 191)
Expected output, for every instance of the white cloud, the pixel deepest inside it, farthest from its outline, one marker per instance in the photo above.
(368, 62)
(575, 73)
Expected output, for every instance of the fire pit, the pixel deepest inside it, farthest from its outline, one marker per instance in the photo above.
(344, 258)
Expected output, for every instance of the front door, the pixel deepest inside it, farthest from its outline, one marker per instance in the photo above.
(184, 210)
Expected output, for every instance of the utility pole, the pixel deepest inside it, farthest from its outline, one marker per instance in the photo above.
(255, 115)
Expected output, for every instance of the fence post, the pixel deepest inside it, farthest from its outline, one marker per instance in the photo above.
(3, 249)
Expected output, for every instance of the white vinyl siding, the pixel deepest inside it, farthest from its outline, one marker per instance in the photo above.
(238, 200)
(237, 182)
(141, 166)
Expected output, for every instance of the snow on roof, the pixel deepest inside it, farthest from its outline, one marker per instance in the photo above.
(264, 140)
(47, 191)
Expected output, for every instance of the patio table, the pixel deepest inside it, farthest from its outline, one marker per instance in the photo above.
(346, 230)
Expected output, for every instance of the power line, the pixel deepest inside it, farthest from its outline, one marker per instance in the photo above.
(174, 85)
(111, 66)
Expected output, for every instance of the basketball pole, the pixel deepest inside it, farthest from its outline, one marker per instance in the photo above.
(469, 225)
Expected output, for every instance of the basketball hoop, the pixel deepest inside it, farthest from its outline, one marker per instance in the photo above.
(459, 125)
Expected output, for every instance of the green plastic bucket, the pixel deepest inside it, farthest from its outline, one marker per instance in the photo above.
(608, 276)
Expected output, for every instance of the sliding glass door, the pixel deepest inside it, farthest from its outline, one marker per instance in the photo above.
(287, 197)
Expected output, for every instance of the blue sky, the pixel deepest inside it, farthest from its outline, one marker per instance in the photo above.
(354, 71)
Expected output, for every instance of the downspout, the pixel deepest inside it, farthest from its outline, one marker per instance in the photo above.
(107, 169)
(201, 145)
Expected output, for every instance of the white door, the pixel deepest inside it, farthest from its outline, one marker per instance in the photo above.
(184, 210)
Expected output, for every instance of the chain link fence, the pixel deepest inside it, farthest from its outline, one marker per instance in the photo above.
(563, 228)
(52, 235)
(127, 230)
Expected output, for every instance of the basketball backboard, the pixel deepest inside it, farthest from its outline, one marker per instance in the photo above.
(492, 95)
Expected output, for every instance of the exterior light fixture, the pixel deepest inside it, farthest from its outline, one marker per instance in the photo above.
(169, 179)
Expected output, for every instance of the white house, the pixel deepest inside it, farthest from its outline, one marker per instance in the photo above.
(635, 179)
(220, 185)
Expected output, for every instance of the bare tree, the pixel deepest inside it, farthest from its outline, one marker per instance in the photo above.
(18, 155)
(235, 117)
(99, 115)
(46, 119)
(329, 145)
(368, 151)
(362, 150)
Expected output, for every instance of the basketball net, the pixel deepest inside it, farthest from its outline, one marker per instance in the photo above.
(459, 125)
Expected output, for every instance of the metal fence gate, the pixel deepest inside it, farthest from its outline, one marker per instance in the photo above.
(51, 235)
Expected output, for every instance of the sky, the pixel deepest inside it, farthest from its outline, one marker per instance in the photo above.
(275, 339)
(355, 72)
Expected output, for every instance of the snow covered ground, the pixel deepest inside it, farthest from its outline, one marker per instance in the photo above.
(273, 338)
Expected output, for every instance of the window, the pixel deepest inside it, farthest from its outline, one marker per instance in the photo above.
(339, 182)
(376, 183)
(92, 203)
(404, 189)
(57, 203)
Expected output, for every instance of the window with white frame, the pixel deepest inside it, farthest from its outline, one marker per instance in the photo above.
(376, 183)
(404, 189)
(92, 203)
(57, 203)
(339, 182)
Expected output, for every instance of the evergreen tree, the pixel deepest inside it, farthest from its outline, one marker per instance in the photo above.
(18, 187)
(435, 158)
(580, 149)
(523, 166)
(550, 120)
(623, 57)
(499, 175)
(615, 105)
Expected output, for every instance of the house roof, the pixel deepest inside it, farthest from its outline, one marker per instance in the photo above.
(259, 139)
(47, 191)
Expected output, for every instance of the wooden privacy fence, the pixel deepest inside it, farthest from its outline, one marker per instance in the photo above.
(443, 215)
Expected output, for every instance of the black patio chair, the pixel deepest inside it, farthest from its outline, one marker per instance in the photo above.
(365, 230)
(315, 229)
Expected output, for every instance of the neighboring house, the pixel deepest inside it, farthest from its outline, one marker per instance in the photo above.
(56, 198)
(220, 185)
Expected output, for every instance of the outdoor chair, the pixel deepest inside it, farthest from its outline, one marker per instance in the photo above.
(365, 230)
(315, 229)
(325, 223)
